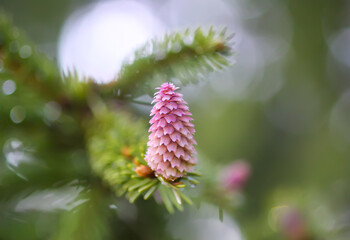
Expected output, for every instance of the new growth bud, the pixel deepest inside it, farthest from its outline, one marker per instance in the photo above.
(170, 147)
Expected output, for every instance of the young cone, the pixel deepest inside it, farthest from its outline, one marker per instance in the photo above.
(170, 146)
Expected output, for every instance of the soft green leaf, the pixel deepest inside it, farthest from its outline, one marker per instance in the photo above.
(166, 199)
(185, 198)
(150, 192)
(139, 184)
(176, 194)
(147, 186)
(174, 198)
(134, 195)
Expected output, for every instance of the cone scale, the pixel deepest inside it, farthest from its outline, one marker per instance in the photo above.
(171, 149)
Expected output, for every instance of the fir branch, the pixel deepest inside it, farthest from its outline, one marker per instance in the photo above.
(29, 67)
(117, 145)
(183, 57)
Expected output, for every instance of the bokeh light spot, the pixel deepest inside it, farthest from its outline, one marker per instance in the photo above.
(15, 155)
(97, 39)
(25, 52)
(52, 111)
(17, 114)
(8, 87)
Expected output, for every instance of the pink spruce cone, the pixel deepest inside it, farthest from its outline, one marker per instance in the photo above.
(170, 146)
(293, 225)
(236, 175)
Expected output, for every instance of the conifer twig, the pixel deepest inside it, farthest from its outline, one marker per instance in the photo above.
(183, 57)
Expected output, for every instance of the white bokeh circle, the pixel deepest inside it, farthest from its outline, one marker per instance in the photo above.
(96, 40)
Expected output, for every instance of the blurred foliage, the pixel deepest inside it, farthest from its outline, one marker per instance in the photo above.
(23, 60)
(294, 138)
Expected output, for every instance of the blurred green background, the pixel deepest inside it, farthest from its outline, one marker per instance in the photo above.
(284, 107)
